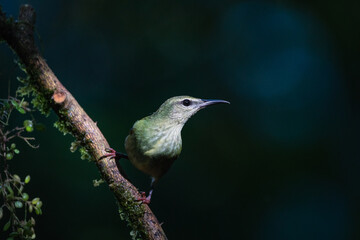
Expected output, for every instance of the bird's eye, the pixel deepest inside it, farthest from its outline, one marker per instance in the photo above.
(186, 102)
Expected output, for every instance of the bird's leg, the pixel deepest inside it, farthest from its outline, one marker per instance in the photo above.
(143, 197)
(114, 154)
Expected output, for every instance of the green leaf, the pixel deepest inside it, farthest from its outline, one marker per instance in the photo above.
(21, 110)
(28, 123)
(35, 201)
(20, 189)
(15, 103)
(38, 211)
(27, 179)
(13, 146)
(13, 234)
(9, 156)
(25, 196)
(16, 178)
(39, 204)
(17, 151)
(29, 129)
(18, 204)
(31, 208)
(7, 225)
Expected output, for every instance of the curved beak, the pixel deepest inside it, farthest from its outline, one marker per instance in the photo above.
(208, 102)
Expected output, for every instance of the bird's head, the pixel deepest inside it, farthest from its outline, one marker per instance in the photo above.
(179, 109)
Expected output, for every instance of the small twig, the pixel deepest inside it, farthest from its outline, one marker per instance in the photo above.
(19, 129)
(18, 134)
(26, 139)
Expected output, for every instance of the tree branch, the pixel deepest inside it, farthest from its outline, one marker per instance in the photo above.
(19, 35)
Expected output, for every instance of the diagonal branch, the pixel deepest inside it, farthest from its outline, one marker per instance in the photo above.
(19, 35)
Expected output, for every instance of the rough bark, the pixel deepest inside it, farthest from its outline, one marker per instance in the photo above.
(19, 35)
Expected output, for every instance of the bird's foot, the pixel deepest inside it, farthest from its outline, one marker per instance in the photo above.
(144, 199)
(114, 154)
(117, 156)
(111, 153)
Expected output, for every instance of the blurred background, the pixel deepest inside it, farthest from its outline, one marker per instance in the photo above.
(280, 162)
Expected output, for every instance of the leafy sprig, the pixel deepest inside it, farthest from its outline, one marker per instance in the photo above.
(16, 206)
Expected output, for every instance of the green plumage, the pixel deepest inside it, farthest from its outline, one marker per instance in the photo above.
(152, 146)
(154, 142)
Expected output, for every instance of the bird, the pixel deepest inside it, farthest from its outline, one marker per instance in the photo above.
(154, 142)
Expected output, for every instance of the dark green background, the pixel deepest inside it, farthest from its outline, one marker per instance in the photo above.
(280, 162)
